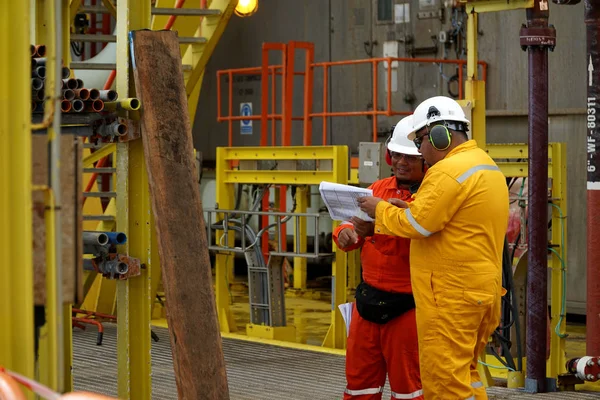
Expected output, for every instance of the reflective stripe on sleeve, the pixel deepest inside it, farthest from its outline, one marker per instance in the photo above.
(415, 224)
(474, 169)
(476, 385)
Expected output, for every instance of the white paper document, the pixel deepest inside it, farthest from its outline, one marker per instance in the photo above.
(341, 200)
(346, 310)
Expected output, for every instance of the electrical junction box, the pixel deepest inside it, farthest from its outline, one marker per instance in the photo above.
(371, 163)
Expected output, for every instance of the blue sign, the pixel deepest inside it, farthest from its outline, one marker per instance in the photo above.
(246, 124)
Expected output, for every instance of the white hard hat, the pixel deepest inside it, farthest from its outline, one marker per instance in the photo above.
(400, 143)
(438, 108)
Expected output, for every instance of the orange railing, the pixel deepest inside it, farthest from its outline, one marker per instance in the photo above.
(287, 72)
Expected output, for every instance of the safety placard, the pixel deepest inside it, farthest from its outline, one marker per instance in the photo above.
(246, 124)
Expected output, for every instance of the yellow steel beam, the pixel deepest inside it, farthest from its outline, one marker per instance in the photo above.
(51, 365)
(336, 336)
(193, 99)
(496, 5)
(223, 261)
(211, 28)
(559, 261)
(133, 218)
(280, 153)
(517, 169)
(300, 236)
(89, 161)
(278, 177)
(474, 88)
(354, 275)
(513, 150)
(16, 268)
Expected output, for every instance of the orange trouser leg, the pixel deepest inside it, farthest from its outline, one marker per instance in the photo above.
(401, 352)
(365, 365)
(448, 324)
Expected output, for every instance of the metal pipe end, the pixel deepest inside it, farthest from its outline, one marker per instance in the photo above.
(94, 94)
(66, 72)
(68, 94)
(65, 106)
(112, 95)
(97, 105)
(83, 94)
(120, 238)
(37, 83)
(121, 130)
(79, 83)
(70, 83)
(77, 105)
(122, 268)
(40, 72)
(40, 50)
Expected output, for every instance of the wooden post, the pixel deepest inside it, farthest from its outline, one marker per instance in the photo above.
(177, 209)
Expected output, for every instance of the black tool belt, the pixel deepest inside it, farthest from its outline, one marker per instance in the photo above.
(379, 306)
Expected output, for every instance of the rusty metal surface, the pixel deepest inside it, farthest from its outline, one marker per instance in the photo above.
(537, 226)
(592, 21)
(255, 371)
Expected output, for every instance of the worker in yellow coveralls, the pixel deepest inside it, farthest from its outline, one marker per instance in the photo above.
(458, 222)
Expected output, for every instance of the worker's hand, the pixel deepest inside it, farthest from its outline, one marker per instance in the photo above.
(363, 228)
(347, 237)
(368, 204)
(398, 203)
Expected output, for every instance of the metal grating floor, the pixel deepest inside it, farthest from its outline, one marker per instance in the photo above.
(254, 371)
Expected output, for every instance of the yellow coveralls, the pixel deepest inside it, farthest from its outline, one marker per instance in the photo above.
(460, 213)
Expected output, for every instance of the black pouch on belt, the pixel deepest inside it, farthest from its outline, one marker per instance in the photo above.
(379, 306)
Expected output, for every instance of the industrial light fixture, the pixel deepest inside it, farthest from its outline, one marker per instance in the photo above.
(246, 8)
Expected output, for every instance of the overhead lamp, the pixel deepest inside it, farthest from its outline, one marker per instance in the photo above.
(246, 8)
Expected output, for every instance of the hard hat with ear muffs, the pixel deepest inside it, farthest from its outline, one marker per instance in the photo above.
(399, 142)
(443, 113)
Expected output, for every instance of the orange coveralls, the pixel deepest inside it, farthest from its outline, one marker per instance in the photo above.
(374, 349)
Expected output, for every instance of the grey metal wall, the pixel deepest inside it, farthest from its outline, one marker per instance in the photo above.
(340, 28)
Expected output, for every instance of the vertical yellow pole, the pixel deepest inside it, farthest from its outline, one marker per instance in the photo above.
(223, 261)
(474, 88)
(559, 236)
(300, 262)
(353, 270)
(336, 336)
(133, 217)
(16, 267)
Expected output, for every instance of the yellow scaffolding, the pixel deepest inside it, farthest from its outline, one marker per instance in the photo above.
(331, 165)
(16, 269)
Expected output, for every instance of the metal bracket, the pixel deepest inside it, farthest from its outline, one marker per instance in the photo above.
(536, 36)
(133, 264)
(133, 131)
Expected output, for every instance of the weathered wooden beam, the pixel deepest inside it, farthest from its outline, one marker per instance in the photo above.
(177, 208)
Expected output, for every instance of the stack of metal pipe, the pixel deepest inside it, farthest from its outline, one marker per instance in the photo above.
(75, 97)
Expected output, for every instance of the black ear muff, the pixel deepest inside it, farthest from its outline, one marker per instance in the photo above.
(440, 137)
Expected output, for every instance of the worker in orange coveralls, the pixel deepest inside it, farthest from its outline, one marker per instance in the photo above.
(383, 333)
